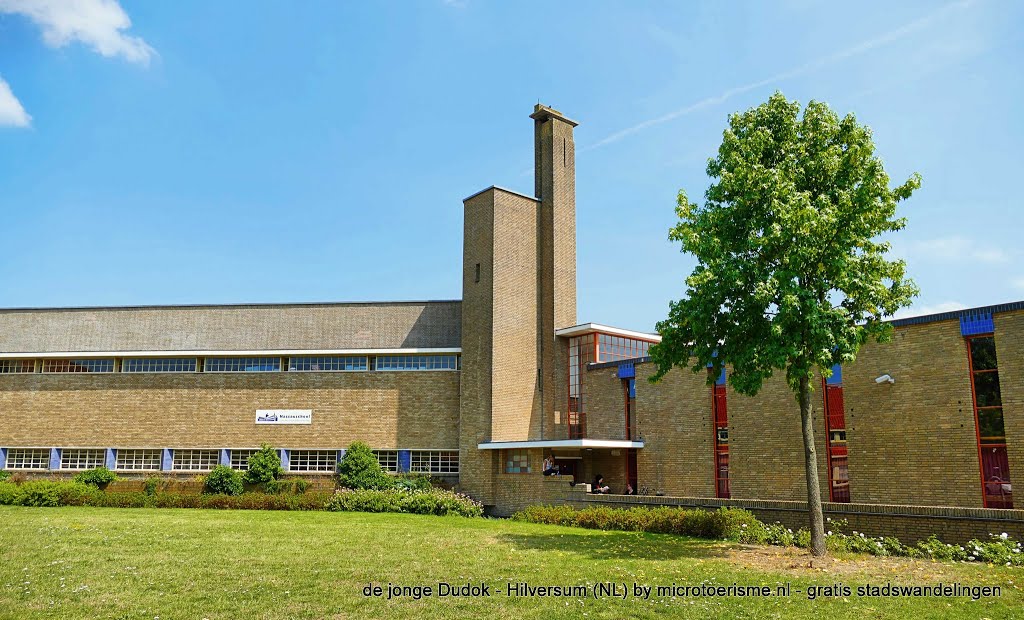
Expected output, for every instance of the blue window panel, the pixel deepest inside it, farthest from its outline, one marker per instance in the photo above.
(166, 459)
(404, 460)
(980, 323)
(632, 388)
(837, 375)
(225, 457)
(54, 458)
(721, 378)
(627, 370)
(341, 455)
(284, 458)
(3, 458)
(111, 458)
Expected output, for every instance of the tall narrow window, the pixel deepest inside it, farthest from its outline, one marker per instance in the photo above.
(720, 414)
(629, 396)
(988, 418)
(835, 438)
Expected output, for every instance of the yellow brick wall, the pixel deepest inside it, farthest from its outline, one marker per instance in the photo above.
(477, 467)
(385, 409)
(515, 398)
(1010, 357)
(674, 420)
(914, 441)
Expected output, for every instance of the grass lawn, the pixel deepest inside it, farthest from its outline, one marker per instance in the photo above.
(162, 563)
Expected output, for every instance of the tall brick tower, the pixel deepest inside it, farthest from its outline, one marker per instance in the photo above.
(555, 186)
(518, 287)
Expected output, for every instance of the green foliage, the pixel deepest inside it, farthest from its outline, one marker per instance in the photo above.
(264, 466)
(413, 482)
(790, 273)
(718, 524)
(432, 502)
(277, 486)
(98, 477)
(4, 475)
(359, 469)
(300, 485)
(8, 494)
(151, 486)
(224, 480)
(39, 493)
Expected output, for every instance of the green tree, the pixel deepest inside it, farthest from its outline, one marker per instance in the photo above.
(264, 466)
(791, 273)
(359, 469)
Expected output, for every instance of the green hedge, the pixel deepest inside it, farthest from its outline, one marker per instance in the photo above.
(741, 525)
(54, 493)
(421, 502)
(722, 523)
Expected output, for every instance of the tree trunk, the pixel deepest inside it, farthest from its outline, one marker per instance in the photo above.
(811, 471)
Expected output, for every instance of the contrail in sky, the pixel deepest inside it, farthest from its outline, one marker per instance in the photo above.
(856, 50)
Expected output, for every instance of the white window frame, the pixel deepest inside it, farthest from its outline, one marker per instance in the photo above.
(414, 363)
(313, 461)
(199, 459)
(28, 458)
(331, 363)
(77, 459)
(240, 364)
(388, 460)
(17, 367)
(159, 365)
(441, 462)
(141, 459)
(64, 365)
(239, 459)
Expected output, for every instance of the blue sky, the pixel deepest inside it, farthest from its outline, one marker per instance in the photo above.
(194, 152)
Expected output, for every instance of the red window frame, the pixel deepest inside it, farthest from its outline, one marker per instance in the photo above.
(838, 455)
(720, 420)
(993, 493)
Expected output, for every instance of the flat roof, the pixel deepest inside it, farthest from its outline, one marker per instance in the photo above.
(590, 328)
(286, 304)
(501, 189)
(560, 443)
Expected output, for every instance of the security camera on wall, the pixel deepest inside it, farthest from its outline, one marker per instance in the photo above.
(885, 379)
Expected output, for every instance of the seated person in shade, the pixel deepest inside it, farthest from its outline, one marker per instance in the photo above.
(550, 468)
(599, 486)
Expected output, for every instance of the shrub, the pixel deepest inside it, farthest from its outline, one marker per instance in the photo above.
(39, 493)
(223, 480)
(264, 466)
(432, 502)
(300, 485)
(359, 469)
(8, 494)
(151, 486)
(413, 482)
(97, 477)
(4, 475)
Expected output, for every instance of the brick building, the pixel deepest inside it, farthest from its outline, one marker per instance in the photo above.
(480, 390)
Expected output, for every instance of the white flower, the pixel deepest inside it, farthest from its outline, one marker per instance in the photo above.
(1004, 536)
(830, 532)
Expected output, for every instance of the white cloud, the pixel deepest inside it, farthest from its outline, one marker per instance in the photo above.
(12, 114)
(945, 306)
(856, 50)
(100, 24)
(955, 249)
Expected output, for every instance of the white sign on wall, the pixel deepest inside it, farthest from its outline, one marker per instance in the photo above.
(284, 416)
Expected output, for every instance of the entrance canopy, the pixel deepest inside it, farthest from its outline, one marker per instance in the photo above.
(561, 443)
